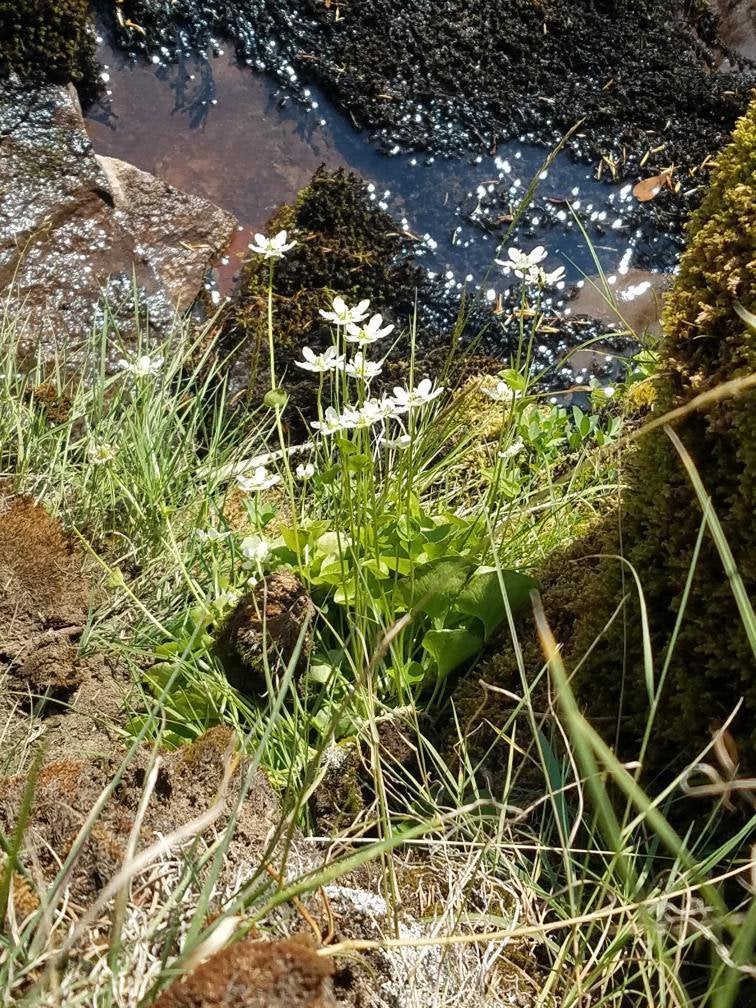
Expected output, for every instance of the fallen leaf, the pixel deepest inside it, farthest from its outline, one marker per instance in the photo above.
(647, 189)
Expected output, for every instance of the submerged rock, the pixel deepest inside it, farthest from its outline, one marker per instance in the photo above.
(82, 238)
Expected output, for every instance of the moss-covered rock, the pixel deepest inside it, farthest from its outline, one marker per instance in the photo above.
(347, 246)
(50, 42)
(711, 665)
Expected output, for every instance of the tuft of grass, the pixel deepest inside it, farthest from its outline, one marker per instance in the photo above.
(415, 536)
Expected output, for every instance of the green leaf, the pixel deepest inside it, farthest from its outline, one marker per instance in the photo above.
(482, 596)
(359, 462)
(516, 381)
(449, 648)
(435, 587)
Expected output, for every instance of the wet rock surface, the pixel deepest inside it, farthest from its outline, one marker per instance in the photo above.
(82, 236)
(448, 75)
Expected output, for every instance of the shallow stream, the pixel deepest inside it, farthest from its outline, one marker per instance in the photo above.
(214, 127)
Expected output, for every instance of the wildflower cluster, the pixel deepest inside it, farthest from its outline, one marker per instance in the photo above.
(359, 331)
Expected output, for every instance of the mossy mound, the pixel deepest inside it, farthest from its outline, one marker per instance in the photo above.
(256, 974)
(346, 246)
(49, 42)
(447, 75)
(711, 666)
(43, 602)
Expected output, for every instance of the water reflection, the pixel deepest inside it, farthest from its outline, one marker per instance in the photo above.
(218, 129)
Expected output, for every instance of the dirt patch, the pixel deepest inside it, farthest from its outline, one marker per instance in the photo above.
(186, 784)
(256, 974)
(52, 694)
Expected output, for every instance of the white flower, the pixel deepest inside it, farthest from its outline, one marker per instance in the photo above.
(350, 418)
(305, 470)
(211, 535)
(524, 264)
(256, 548)
(226, 599)
(514, 449)
(333, 422)
(101, 452)
(142, 367)
(362, 368)
(406, 399)
(500, 392)
(272, 248)
(368, 333)
(550, 279)
(329, 360)
(260, 479)
(401, 442)
(330, 424)
(375, 410)
(342, 314)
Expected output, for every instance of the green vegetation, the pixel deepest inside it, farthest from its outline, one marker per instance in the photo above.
(675, 681)
(49, 41)
(409, 537)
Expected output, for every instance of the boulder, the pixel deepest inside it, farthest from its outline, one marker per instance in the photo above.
(79, 233)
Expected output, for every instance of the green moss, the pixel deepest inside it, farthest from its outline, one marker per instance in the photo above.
(345, 245)
(656, 527)
(48, 41)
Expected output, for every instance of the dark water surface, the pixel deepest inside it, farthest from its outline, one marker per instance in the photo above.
(218, 129)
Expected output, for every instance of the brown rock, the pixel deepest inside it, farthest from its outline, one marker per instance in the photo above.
(77, 231)
(268, 620)
(256, 974)
(178, 235)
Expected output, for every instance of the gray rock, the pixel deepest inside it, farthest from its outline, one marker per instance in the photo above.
(82, 237)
